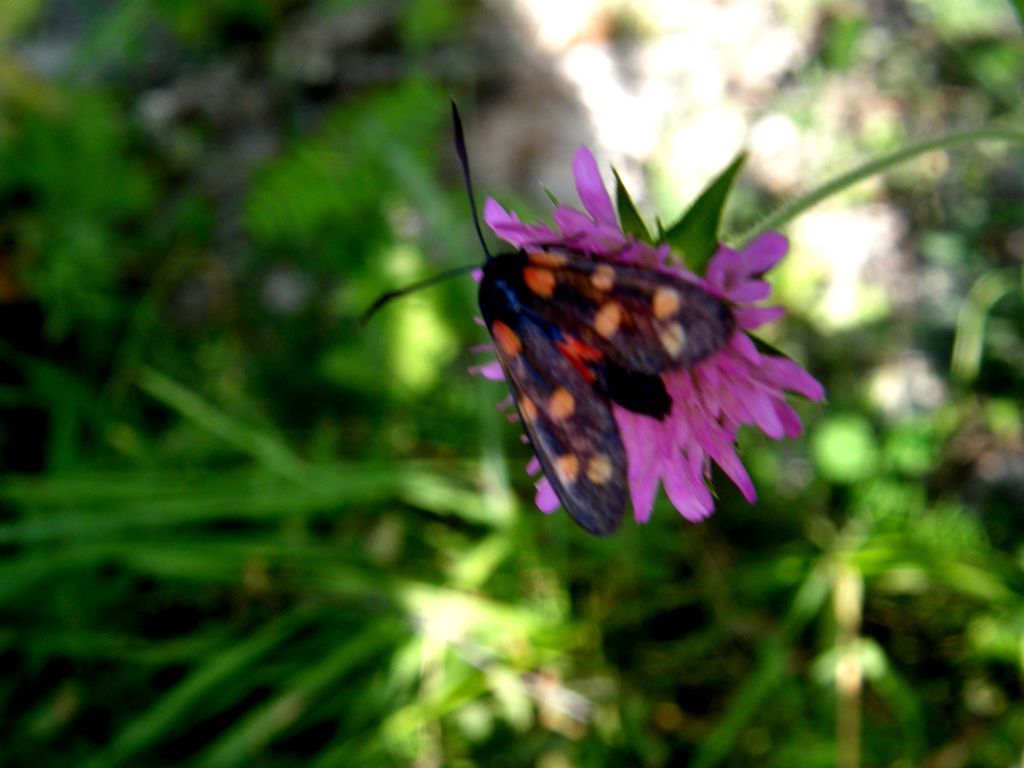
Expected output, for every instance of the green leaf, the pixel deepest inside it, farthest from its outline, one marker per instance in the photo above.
(695, 235)
(629, 217)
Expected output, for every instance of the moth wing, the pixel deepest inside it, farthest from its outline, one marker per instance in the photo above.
(640, 318)
(570, 426)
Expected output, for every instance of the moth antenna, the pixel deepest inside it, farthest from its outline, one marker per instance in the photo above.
(386, 298)
(460, 150)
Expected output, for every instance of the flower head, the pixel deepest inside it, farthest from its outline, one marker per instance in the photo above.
(736, 385)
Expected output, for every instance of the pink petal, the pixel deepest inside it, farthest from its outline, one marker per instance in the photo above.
(765, 252)
(749, 291)
(736, 401)
(571, 221)
(789, 419)
(642, 493)
(688, 493)
(725, 456)
(533, 467)
(642, 469)
(509, 228)
(745, 347)
(580, 232)
(723, 265)
(765, 417)
(789, 375)
(750, 318)
(491, 370)
(496, 216)
(546, 499)
(591, 189)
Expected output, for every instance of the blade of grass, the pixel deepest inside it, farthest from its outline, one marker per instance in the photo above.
(770, 669)
(250, 498)
(266, 449)
(249, 737)
(173, 709)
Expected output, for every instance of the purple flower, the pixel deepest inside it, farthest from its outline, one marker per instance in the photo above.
(736, 385)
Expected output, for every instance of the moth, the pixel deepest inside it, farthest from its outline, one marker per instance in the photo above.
(577, 334)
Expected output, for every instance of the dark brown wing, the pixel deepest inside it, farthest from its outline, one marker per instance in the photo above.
(641, 319)
(568, 422)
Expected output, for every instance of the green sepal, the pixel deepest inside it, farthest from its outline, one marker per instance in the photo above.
(629, 217)
(550, 194)
(695, 235)
(767, 348)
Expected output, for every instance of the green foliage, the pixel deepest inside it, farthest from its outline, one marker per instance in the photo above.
(844, 449)
(73, 195)
(329, 184)
(629, 218)
(206, 24)
(696, 234)
(237, 530)
(17, 15)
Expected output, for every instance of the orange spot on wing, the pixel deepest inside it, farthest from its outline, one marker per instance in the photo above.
(599, 469)
(562, 404)
(603, 278)
(568, 468)
(540, 280)
(608, 319)
(506, 338)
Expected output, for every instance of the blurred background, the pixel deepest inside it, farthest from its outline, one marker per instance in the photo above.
(236, 529)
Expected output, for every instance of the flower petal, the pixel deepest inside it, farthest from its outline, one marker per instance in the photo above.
(763, 410)
(765, 252)
(745, 348)
(749, 291)
(724, 454)
(688, 493)
(786, 374)
(754, 317)
(571, 222)
(591, 189)
(642, 469)
(583, 234)
(491, 371)
(510, 229)
(546, 499)
(789, 419)
(726, 267)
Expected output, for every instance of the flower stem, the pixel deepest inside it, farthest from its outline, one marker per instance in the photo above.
(847, 597)
(794, 208)
(969, 341)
